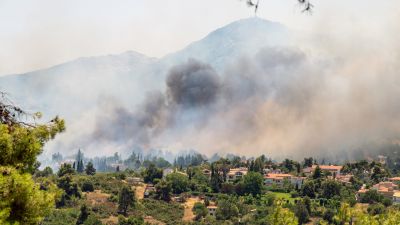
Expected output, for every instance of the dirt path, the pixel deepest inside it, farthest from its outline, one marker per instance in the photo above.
(188, 206)
(139, 190)
(151, 220)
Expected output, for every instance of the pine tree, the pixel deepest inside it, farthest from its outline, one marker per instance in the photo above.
(84, 214)
(90, 170)
(126, 199)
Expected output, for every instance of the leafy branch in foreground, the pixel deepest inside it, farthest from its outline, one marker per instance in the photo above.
(22, 200)
(305, 4)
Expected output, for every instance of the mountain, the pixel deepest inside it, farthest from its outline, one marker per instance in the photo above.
(76, 88)
(224, 45)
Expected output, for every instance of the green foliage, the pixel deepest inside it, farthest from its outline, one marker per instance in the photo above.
(66, 169)
(302, 212)
(227, 209)
(69, 186)
(200, 210)
(317, 173)
(83, 215)
(46, 172)
(376, 209)
(20, 145)
(309, 189)
(253, 183)
(331, 188)
(179, 182)
(92, 220)
(126, 199)
(62, 217)
(281, 216)
(130, 221)
(163, 190)
(21, 200)
(87, 186)
(371, 196)
(170, 213)
(90, 170)
(151, 173)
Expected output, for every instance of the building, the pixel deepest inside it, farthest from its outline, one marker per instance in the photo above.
(167, 171)
(207, 172)
(345, 179)
(395, 180)
(148, 190)
(279, 179)
(333, 170)
(212, 210)
(133, 180)
(387, 189)
(396, 197)
(236, 174)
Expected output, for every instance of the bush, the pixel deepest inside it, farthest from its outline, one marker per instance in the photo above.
(170, 213)
(87, 186)
(376, 209)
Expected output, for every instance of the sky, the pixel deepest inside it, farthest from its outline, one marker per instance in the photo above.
(36, 34)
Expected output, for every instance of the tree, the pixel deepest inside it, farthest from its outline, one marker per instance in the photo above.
(216, 179)
(376, 209)
(200, 210)
(83, 215)
(126, 199)
(308, 162)
(87, 186)
(344, 215)
(253, 183)
(79, 162)
(371, 196)
(227, 209)
(90, 170)
(301, 212)
(69, 186)
(66, 169)
(151, 173)
(47, 171)
(179, 182)
(331, 188)
(308, 189)
(281, 216)
(317, 173)
(22, 201)
(163, 190)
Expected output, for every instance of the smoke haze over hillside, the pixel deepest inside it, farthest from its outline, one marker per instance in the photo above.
(324, 97)
(280, 102)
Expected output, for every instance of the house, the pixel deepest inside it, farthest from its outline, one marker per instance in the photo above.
(387, 189)
(118, 166)
(207, 172)
(212, 210)
(396, 197)
(345, 179)
(133, 180)
(334, 170)
(148, 190)
(279, 179)
(270, 170)
(167, 171)
(395, 180)
(236, 173)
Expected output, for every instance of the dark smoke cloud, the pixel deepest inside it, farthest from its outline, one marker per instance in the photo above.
(193, 84)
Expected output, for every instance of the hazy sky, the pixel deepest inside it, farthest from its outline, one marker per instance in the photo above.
(36, 34)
